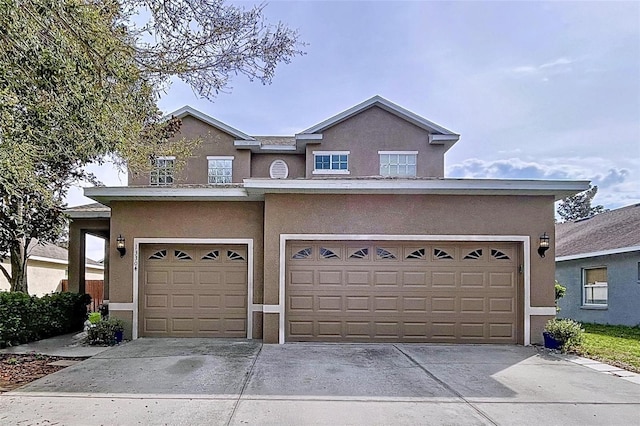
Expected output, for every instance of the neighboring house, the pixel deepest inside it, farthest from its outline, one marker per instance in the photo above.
(598, 260)
(345, 231)
(47, 267)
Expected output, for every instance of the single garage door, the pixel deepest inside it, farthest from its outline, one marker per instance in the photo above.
(401, 292)
(193, 291)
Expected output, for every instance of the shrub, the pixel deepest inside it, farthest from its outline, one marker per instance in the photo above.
(560, 292)
(568, 332)
(95, 317)
(104, 332)
(25, 318)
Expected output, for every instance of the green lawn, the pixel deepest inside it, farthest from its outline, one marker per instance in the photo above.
(612, 344)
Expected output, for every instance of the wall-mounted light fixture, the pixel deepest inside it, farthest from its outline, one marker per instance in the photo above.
(120, 245)
(543, 246)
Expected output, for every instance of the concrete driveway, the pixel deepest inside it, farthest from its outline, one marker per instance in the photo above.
(209, 381)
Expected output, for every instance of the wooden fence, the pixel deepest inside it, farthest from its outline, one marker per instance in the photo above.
(94, 288)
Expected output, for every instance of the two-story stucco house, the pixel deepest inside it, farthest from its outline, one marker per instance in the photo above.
(345, 232)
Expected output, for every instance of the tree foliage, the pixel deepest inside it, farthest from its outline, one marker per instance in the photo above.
(79, 82)
(579, 206)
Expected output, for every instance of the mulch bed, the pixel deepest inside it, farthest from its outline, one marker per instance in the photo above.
(18, 370)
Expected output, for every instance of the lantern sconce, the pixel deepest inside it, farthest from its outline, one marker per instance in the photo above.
(120, 246)
(543, 245)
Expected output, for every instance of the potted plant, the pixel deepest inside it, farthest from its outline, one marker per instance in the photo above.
(562, 334)
(106, 332)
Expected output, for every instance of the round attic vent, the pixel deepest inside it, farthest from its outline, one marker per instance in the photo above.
(279, 170)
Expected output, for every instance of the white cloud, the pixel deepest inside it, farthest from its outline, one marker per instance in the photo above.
(617, 186)
(558, 65)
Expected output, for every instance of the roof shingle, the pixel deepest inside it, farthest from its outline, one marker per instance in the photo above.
(615, 229)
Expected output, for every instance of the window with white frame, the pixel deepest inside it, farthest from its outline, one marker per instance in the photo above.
(331, 162)
(162, 173)
(220, 169)
(595, 287)
(398, 163)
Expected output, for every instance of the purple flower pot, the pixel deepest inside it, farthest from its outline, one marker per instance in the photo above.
(550, 342)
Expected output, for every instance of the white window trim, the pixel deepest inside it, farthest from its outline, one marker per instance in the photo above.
(397, 152)
(406, 165)
(597, 284)
(157, 169)
(220, 157)
(330, 171)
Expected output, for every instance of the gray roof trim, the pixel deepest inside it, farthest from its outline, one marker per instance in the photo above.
(187, 110)
(387, 105)
(106, 195)
(557, 188)
(88, 215)
(254, 189)
(597, 253)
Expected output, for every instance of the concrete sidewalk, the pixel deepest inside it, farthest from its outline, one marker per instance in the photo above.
(211, 381)
(66, 345)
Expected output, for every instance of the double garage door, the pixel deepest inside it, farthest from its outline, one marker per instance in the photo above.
(193, 291)
(401, 292)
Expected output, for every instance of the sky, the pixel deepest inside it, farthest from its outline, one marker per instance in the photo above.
(538, 90)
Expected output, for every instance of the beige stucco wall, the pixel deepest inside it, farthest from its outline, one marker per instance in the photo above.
(213, 143)
(202, 220)
(260, 164)
(378, 130)
(44, 277)
(413, 215)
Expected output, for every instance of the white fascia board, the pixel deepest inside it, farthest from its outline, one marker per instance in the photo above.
(278, 148)
(558, 189)
(105, 195)
(387, 106)
(48, 260)
(442, 139)
(246, 144)
(89, 215)
(187, 110)
(598, 253)
(309, 137)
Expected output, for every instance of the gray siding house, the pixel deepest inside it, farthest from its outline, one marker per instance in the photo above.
(598, 260)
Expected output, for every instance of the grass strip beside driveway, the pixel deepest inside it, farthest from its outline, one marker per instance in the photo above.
(612, 344)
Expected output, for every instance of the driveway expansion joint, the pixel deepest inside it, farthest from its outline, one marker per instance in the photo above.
(244, 386)
(446, 386)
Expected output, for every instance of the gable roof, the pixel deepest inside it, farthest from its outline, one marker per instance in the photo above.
(187, 110)
(51, 253)
(615, 231)
(89, 211)
(397, 110)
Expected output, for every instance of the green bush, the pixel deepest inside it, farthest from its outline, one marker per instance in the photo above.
(568, 332)
(560, 292)
(104, 332)
(25, 318)
(95, 317)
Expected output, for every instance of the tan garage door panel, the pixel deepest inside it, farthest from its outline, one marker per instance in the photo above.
(392, 291)
(194, 291)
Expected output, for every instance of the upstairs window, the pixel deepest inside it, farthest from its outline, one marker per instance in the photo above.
(162, 173)
(220, 169)
(398, 163)
(331, 162)
(595, 287)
